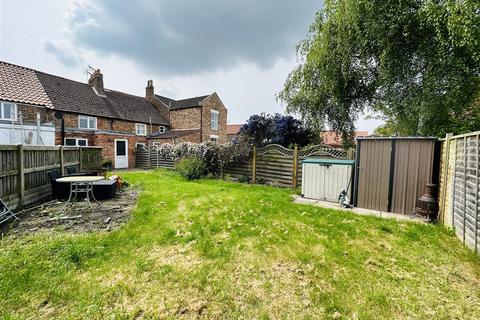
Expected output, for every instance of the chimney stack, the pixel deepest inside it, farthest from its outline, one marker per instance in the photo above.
(149, 90)
(96, 81)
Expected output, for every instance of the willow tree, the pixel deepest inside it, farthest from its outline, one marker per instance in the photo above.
(414, 62)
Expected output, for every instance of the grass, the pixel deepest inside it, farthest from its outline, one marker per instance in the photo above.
(213, 249)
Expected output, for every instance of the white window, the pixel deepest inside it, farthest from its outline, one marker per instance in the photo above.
(214, 138)
(76, 142)
(214, 119)
(161, 129)
(141, 129)
(85, 122)
(8, 111)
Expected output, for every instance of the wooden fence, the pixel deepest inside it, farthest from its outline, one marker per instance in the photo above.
(146, 158)
(459, 197)
(276, 165)
(24, 168)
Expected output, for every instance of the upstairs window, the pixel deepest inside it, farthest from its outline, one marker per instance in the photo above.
(161, 129)
(214, 119)
(85, 122)
(8, 111)
(141, 129)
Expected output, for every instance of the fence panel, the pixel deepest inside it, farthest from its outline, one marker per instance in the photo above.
(459, 187)
(24, 169)
(149, 158)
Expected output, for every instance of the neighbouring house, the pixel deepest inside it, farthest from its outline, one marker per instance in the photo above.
(330, 138)
(233, 130)
(41, 108)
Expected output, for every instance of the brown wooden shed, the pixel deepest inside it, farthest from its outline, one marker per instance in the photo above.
(391, 172)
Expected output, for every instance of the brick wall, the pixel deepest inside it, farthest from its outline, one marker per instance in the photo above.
(213, 102)
(185, 118)
(192, 137)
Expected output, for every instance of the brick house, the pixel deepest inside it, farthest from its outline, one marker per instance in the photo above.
(68, 112)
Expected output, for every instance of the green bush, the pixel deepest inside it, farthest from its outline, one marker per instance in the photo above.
(191, 168)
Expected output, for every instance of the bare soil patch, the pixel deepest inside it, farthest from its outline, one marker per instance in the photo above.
(76, 218)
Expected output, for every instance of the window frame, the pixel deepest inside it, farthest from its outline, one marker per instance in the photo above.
(214, 138)
(88, 118)
(76, 142)
(137, 125)
(212, 122)
(162, 129)
(15, 111)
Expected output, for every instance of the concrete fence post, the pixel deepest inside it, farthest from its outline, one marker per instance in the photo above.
(295, 166)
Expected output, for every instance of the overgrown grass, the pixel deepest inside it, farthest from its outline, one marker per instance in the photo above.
(215, 249)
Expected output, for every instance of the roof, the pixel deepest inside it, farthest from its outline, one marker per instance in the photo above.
(234, 128)
(333, 139)
(133, 108)
(73, 96)
(20, 84)
(330, 161)
(183, 103)
(174, 134)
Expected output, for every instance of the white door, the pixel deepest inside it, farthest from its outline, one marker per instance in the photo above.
(121, 153)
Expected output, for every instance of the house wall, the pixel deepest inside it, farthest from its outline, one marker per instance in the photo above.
(188, 118)
(192, 137)
(213, 102)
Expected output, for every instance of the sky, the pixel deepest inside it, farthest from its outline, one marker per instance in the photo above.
(243, 50)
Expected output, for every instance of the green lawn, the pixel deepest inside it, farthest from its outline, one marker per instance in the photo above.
(213, 249)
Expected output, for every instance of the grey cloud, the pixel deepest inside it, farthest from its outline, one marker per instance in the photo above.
(185, 37)
(62, 51)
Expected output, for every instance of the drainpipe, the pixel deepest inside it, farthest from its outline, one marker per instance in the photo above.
(201, 124)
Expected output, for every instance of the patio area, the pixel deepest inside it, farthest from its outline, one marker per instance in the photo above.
(78, 217)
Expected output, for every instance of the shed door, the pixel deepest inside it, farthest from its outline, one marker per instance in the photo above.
(325, 182)
(373, 174)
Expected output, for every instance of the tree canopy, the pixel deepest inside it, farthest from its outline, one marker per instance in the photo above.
(285, 130)
(416, 63)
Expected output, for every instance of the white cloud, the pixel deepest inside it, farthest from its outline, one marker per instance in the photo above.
(63, 51)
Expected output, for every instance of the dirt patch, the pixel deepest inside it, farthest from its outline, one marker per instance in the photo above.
(76, 218)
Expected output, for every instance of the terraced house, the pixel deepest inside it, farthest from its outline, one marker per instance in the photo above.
(41, 108)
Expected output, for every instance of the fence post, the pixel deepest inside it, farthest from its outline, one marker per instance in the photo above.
(444, 178)
(80, 160)
(254, 165)
(295, 166)
(61, 160)
(350, 154)
(476, 195)
(21, 177)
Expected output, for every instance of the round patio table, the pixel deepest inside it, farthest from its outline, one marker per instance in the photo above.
(80, 184)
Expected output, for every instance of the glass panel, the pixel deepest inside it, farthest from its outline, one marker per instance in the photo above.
(83, 122)
(82, 142)
(92, 123)
(121, 148)
(8, 110)
(70, 142)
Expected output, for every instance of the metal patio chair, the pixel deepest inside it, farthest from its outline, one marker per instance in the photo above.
(5, 212)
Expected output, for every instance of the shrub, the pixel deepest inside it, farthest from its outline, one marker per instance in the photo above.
(215, 156)
(191, 168)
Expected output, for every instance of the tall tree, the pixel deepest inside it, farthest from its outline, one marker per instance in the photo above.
(415, 62)
(280, 129)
